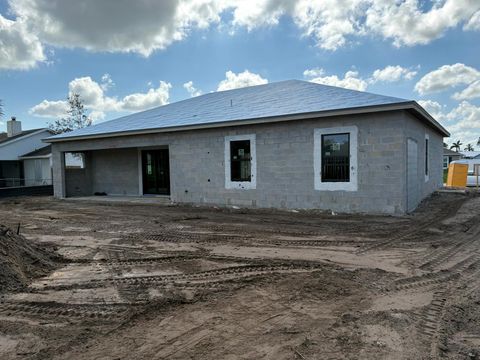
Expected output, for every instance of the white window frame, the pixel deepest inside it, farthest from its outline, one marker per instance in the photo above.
(351, 185)
(426, 169)
(446, 157)
(241, 185)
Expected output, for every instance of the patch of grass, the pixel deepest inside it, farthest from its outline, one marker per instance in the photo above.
(445, 175)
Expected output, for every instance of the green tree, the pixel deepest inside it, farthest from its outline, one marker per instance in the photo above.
(469, 147)
(75, 119)
(456, 145)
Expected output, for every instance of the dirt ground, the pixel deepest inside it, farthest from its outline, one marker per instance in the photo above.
(146, 281)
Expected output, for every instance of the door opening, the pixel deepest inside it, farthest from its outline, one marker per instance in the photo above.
(156, 172)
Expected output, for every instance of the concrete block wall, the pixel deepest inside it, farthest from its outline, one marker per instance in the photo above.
(123, 163)
(285, 173)
(417, 130)
(78, 182)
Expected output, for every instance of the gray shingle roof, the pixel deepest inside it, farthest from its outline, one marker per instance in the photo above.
(263, 101)
(4, 138)
(46, 150)
(447, 151)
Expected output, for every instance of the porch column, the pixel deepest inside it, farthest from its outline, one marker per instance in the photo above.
(58, 174)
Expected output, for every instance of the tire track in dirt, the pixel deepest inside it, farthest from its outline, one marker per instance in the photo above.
(432, 318)
(443, 213)
(439, 277)
(225, 274)
(462, 243)
(175, 236)
(186, 237)
(65, 311)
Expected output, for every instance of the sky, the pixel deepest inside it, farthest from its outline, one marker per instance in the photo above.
(123, 56)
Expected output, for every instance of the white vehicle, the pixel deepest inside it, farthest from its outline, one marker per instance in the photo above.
(472, 164)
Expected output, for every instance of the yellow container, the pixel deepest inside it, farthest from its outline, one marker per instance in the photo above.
(457, 175)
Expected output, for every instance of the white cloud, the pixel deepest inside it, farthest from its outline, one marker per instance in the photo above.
(465, 120)
(445, 77)
(89, 90)
(329, 22)
(19, 48)
(98, 103)
(191, 89)
(116, 26)
(351, 80)
(152, 98)
(150, 25)
(311, 73)
(332, 22)
(49, 109)
(392, 74)
(235, 81)
(107, 82)
(434, 108)
(471, 92)
(474, 22)
(96, 115)
(407, 24)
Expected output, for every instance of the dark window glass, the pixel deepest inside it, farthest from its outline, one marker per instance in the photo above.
(426, 156)
(336, 158)
(240, 160)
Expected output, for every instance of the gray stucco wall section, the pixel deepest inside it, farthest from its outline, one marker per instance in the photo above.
(285, 173)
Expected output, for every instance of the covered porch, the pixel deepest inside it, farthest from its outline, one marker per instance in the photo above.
(120, 174)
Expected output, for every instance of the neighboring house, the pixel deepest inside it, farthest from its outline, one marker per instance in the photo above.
(291, 144)
(449, 156)
(37, 167)
(472, 159)
(471, 154)
(17, 166)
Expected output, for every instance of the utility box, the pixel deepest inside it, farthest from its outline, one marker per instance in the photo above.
(457, 175)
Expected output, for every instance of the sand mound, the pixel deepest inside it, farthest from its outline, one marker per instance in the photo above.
(21, 260)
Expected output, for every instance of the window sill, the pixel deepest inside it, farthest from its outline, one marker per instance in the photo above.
(240, 185)
(336, 186)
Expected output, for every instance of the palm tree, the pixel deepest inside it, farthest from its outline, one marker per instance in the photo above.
(469, 147)
(456, 145)
(478, 141)
(1, 110)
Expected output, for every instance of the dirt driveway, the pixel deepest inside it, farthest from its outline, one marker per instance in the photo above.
(143, 281)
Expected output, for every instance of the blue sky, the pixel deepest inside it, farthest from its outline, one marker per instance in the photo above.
(146, 53)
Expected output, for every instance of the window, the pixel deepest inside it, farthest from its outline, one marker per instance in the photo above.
(335, 158)
(426, 157)
(74, 160)
(240, 162)
(446, 161)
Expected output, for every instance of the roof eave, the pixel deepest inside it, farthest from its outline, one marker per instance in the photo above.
(349, 111)
(35, 157)
(420, 110)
